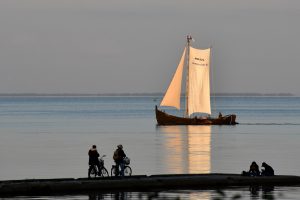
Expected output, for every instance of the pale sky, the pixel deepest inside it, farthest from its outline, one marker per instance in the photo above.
(120, 46)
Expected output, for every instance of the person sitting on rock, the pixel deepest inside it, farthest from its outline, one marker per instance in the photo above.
(253, 171)
(268, 171)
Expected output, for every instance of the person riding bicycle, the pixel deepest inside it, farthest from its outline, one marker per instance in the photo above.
(118, 157)
(93, 159)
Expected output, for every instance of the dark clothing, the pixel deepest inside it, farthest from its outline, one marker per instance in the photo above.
(98, 168)
(120, 164)
(119, 159)
(93, 156)
(254, 169)
(120, 155)
(93, 160)
(220, 115)
(268, 170)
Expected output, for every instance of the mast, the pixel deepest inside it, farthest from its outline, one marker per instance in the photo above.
(189, 38)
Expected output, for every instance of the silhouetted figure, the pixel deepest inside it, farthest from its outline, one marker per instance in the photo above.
(118, 157)
(220, 115)
(93, 159)
(253, 171)
(268, 171)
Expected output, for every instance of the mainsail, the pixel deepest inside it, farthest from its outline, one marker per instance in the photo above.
(172, 96)
(198, 83)
(198, 86)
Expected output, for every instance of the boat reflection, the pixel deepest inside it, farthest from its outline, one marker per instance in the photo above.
(187, 149)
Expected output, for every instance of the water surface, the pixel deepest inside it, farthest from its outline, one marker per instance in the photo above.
(49, 137)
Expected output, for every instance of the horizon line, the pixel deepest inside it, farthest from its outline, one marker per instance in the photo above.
(143, 94)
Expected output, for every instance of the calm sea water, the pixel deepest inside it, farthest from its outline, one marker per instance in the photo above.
(49, 137)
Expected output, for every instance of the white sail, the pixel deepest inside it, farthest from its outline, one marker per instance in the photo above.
(198, 83)
(172, 96)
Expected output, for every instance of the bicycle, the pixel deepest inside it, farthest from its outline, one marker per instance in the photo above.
(127, 168)
(102, 172)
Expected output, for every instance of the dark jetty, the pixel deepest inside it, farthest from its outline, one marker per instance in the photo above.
(137, 183)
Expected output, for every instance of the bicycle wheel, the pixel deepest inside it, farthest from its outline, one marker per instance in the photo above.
(113, 170)
(127, 171)
(104, 172)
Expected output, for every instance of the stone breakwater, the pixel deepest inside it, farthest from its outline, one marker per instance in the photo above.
(137, 183)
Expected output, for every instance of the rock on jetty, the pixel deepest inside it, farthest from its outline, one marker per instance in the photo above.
(137, 183)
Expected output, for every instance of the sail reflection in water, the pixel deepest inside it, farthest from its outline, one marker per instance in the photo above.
(187, 149)
(199, 149)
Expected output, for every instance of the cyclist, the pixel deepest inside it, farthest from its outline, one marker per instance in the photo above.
(93, 159)
(118, 157)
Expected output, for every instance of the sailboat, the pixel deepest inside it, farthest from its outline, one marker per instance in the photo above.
(197, 62)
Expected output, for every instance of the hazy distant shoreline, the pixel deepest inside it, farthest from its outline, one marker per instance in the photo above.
(141, 94)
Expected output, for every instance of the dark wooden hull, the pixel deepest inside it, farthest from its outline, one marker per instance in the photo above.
(166, 119)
